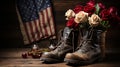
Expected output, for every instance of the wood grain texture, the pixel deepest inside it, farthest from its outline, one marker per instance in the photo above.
(12, 58)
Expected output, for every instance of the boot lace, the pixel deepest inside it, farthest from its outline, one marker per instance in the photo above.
(62, 43)
(83, 46)
(86, 47)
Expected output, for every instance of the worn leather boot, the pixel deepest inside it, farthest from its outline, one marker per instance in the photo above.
(89, 50)
(65, 45)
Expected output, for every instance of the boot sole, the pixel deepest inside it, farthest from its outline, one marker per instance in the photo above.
(50, 60)
(78, 62)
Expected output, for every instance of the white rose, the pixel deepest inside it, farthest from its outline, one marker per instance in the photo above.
(94, 20)
(69, 14)
(81, 17)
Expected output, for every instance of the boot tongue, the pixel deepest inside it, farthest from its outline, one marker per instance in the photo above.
(85, 35)
(66, 33)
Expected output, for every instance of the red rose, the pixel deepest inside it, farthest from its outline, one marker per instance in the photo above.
(71, 23)
(105, 14)
(112, 11)
(101, 6)
(91, 3)
(108, 14)
(114, 18)
(78, 8)
(89, 9)
(113, 14)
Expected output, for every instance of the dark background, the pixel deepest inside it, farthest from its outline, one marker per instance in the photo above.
(10, 34)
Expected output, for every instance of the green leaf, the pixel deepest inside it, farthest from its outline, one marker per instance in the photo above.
(105, 24)
(97, 9)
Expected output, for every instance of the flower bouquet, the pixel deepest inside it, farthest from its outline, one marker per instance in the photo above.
(92, 17)
(93, 14)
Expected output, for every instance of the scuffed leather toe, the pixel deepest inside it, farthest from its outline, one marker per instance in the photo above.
(74, 56)
(71, 56)
(47, 55)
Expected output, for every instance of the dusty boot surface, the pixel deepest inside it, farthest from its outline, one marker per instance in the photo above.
(88, 52)
(65, 45)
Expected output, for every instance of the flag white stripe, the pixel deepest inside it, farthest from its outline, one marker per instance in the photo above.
(29, 31)
(41, 35)
(49, 17)
(51, 21)
(41, 24)
(35, 34)
(38, 26)
(32, 30)
(47, 22)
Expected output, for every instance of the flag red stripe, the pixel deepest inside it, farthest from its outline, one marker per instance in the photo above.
(37, 33)
(34, 30)
(31, 31)
(44, 22)
(39, 29)
(47, 23)
(41, 35)
(52, 21)
(48, 18)
(41, 24)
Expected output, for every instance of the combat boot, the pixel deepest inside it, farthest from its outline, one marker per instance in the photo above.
(65, 45)
(89, 50)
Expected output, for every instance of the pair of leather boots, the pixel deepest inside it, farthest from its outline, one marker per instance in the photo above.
(80, 46)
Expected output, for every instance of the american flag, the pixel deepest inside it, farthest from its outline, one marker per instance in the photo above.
(36, 20)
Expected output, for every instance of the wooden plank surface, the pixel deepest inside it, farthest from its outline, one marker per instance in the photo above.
(38, 63)
(12, 58)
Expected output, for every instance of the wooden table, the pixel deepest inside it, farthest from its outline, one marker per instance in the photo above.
(12, 58)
